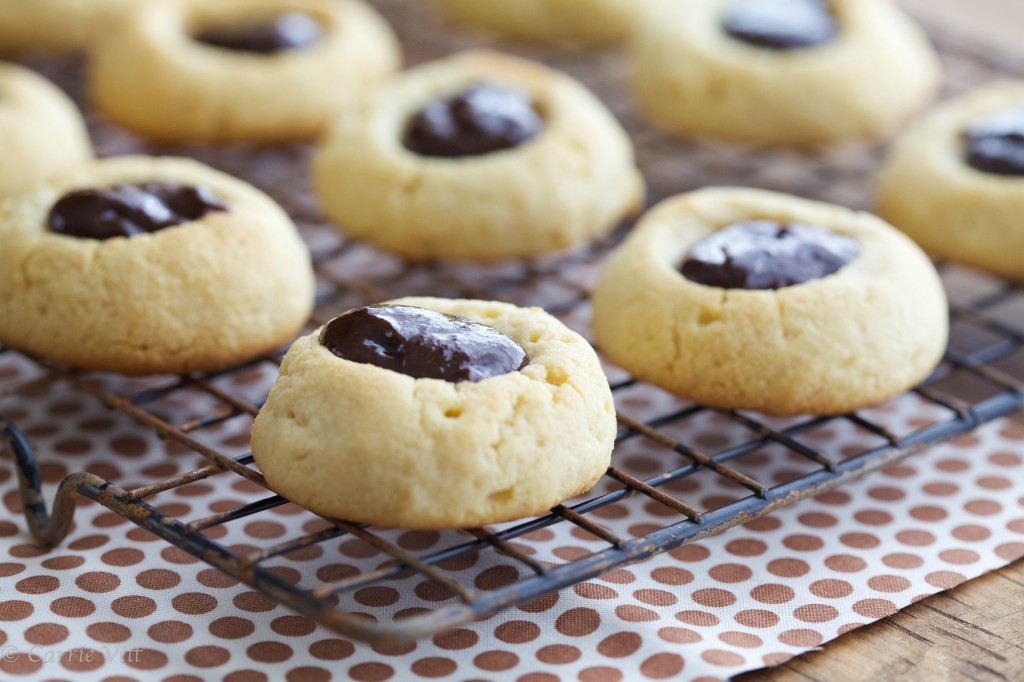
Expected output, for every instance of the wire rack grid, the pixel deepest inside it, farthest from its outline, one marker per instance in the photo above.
(981, 378)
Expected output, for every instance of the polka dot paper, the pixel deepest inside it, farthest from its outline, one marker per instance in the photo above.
(113, 600)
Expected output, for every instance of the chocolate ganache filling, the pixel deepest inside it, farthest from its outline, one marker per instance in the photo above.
(479, 120)
(130, 209)
(781, 24)
(762, 254)
(995, 144)
(423, 344)
(287, 31)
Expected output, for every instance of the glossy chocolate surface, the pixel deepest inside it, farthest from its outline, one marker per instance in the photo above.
(423, 344)
(781, 24)
(996, 144)
(762, 254)
(288, 31)
(128, 210)
(479, 120)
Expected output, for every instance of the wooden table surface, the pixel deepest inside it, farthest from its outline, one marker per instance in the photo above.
(976, 631)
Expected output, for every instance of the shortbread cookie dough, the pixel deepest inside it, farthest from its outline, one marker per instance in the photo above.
(146, 265)
(576, 22)
(797, 72)
(238, 70)
(480, 156)
(403, 417)
(955, 182)
(41, 130)
(55, 25)
(746, 299)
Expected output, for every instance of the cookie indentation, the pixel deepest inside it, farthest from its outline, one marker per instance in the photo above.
(995, 144)
(479, 120)
(130, 209)
(287, 31)
(423, 344)
(763, 254)
(781, 24)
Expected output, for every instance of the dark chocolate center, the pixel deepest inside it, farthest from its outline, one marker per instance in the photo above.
(762, 254)
(127, 210)
(288, 31)
(781, 24)
(996, 144)
(479, 120)
(423, 344)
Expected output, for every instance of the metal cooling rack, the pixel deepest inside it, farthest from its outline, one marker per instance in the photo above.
(982, 378)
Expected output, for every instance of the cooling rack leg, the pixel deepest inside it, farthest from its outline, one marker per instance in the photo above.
(47, 528)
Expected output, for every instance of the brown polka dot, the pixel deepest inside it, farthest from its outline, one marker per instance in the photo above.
(699, 618)
(434, 666)
(110, 633)
(817, 520)
(915, 538)
(371, 672)
(744, 640)
(595, 591)
(376, 596)
(874, 608)
(63, 563)
(672, 576)
(37, 584)
(928, 513)
(307, 673)
(902, 560)
(859, 540)
(454, 640)
(619, 645)
(253, 602)
(801, 638)
(952, 465)
(746, 547)
(1016, 526)
(994, 483)
(888, 583)
(158, 579)
(521, 631)
(45, 634)
(835, 497)
(730, 573)
(578, 622)
(72, 446)
(679, 635)
(772, 593)
(845, 563)
(886, 494)
(714, 597)
(690, 553)
(763, 524)
(1011, 551)
(292, 626)
(133, 606)
(539, 604)
(174, 555)
(757, 618)
(802, 543)
(331, 649)
(207, 656)
(788, 568)
(940, 489)
(269, 652)
(334, 572)
(971, 533)
(244, 676)
(959, 556)
(662, 666)
(944, 580)
(655, 597)
(1006, 459)
(170, 631)
(815, 613)
(82, 660)
(20, 663)
(195, 603)
(98, 582)
(211, 577)
(600, 674)
(723, 658)
(831, 589)
(496, 661)
(537, 677)
(8, 569)
(873, 517)
(431, 591)
(620, 576)
(558, 654)
(145, 659)
(394, 649)
(69, 607)
(264, 529)
(124, 556)
(632, 613)
(232, 627)
(358, 549)
(417, 541)
(983, 507)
